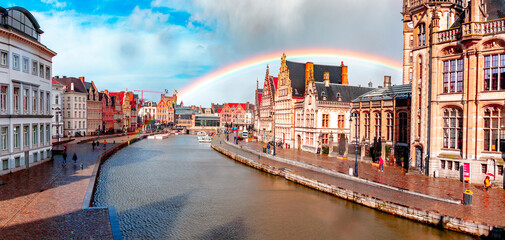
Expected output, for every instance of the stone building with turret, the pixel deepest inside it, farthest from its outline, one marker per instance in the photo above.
(454, 57)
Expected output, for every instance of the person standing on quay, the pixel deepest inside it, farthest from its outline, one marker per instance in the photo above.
(75, 159)
(98, 145)
(64, 158)
(93, 145)
(381, 164)
(487, 183)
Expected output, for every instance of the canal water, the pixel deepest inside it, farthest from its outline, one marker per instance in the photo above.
(177, 188)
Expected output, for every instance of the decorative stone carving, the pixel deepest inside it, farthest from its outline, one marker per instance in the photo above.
(451, 50)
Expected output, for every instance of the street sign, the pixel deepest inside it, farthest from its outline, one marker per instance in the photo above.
(466, 171)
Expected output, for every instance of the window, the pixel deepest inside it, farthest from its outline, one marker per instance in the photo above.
(26, 137)
(41, 130)
(324, 139)
(442, 164)
(25, 101)
(367, 125)
(356, 125)
(341, 121)
(16, 100)
(421, 35)
(453, 76)
(35, 130)
(484, 168)
(16, 137)
(3, 99)
(453, 123)
(3, 138)
(411, 41)
(48, 103)
(48, 72)
(35, 66)
(15, 61)
(410, 75)
(41, 70)
(500, 169)
(494, 129)
(26, 65)
(389, 126)
(34, 101)
(48, 134)
(449, 165)
(411, 57)
(456, 166)
(3, 59)
(378, 133)
(5, 164)
(325, 120)
(494, 72)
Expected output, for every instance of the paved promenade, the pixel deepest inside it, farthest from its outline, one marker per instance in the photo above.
(486, 208)
(45, 201)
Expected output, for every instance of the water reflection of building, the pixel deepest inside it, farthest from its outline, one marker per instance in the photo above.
(454, 58)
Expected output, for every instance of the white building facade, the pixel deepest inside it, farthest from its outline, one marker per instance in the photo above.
(74, 106)
(57, 109)
(25, 92)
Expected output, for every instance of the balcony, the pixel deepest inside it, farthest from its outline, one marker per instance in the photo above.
(417, 3)
(471, 31)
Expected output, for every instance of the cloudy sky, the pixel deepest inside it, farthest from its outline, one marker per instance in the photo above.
(168, 44)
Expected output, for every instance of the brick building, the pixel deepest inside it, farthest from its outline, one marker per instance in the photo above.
(454, 57)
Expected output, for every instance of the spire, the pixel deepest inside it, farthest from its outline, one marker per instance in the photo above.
(257, 84)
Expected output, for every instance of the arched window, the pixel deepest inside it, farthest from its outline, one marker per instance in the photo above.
(403, 127)
(367, 125)
(389, 126)
(494, 129)
(378, 125)
(421, 34)
(410, 75)
(411, 58)
(56, 99)
(453, 125)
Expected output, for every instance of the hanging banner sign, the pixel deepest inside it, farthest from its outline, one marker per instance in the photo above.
(466, 171)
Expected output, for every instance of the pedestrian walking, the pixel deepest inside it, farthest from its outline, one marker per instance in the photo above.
(98, 145)
(93, 145)
(75, 159)
(64, 158)
(487, 183)
(381, 164)
(65, 148)
(268, 147)
(105, 144)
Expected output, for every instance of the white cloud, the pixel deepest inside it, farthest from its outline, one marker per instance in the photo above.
(55, 3)
(145, 51)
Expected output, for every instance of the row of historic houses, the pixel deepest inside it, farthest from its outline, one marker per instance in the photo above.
(447, 119)
(80, 109)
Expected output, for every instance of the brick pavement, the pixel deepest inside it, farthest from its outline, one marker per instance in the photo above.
(488, 208)
(44, 201)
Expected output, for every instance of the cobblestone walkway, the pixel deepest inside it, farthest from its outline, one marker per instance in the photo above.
(45, 201)
(486, 208)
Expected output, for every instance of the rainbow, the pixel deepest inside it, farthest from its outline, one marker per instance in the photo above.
(309, 53)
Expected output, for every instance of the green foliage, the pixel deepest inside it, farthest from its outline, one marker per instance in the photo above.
(326, 150)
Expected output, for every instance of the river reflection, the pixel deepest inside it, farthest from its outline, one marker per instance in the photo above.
(179, 189)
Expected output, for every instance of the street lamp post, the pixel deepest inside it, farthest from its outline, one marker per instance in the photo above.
(355, 116)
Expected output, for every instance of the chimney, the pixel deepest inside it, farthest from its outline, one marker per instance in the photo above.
(309, 72)
(387, 81)
(370, 84)
(71, 86)
(82, 79)
(326, 79)
(345, 81)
